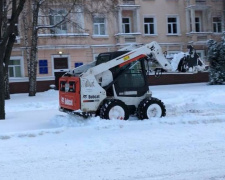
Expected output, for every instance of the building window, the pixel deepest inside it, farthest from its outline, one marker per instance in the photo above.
(201, 54)
(149, 26)
(56, 16)
(99, 26)
(15, 68)
(217, 24)
(61, 63)
(172, 23)
(78, 17)
(197, 24)
(200, 1)
(129, 2)
(126, 25)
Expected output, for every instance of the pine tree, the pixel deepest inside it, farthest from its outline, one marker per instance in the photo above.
(222, 59)
(216, 57)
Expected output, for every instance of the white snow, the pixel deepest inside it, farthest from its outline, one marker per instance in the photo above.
(37, 142)
(176, 59)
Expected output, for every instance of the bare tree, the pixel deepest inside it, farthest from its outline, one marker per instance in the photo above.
(7, 38)
(8, 48)
(47, 6)
(37, 5)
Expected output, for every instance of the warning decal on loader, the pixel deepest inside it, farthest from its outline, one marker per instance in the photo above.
(126, 58)
(133, 59)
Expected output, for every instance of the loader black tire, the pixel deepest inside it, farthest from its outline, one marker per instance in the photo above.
(114, 109)
(152, 107)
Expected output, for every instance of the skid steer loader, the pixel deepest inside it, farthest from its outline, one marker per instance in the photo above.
(115, 86)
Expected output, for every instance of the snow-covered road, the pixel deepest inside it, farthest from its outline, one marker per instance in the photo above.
(38, 142)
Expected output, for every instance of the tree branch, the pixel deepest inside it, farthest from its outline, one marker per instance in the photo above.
(59, 23)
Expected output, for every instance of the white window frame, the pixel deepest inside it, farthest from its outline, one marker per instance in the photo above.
(171, 24)
(60, 28)
(217, 23)
(124, 24)
(79, 18)
(21, 66)
(154, 25)
(99, 26)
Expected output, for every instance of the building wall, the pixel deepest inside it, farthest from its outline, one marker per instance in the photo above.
(83, 47)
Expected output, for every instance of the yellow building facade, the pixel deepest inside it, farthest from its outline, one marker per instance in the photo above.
(174, 24)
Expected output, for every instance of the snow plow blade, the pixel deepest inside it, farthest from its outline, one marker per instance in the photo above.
(77, 113)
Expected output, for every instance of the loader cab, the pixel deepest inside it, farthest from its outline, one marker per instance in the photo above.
(129, 80)
(132, 80)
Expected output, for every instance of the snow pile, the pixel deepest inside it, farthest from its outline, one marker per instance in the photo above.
(176, 59)
(184, 103)
(39, 142)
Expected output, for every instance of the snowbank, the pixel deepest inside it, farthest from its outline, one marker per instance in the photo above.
(39, 142)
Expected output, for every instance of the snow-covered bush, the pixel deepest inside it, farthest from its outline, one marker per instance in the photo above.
(216, 57)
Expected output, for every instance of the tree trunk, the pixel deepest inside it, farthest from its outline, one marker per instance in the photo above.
(7, 89)
(2, 86)
(8, 51)
(2, 95)
(26, 20)
(2, 75)
(32, 68)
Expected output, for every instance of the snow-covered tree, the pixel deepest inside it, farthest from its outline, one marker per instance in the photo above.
(216, 57)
